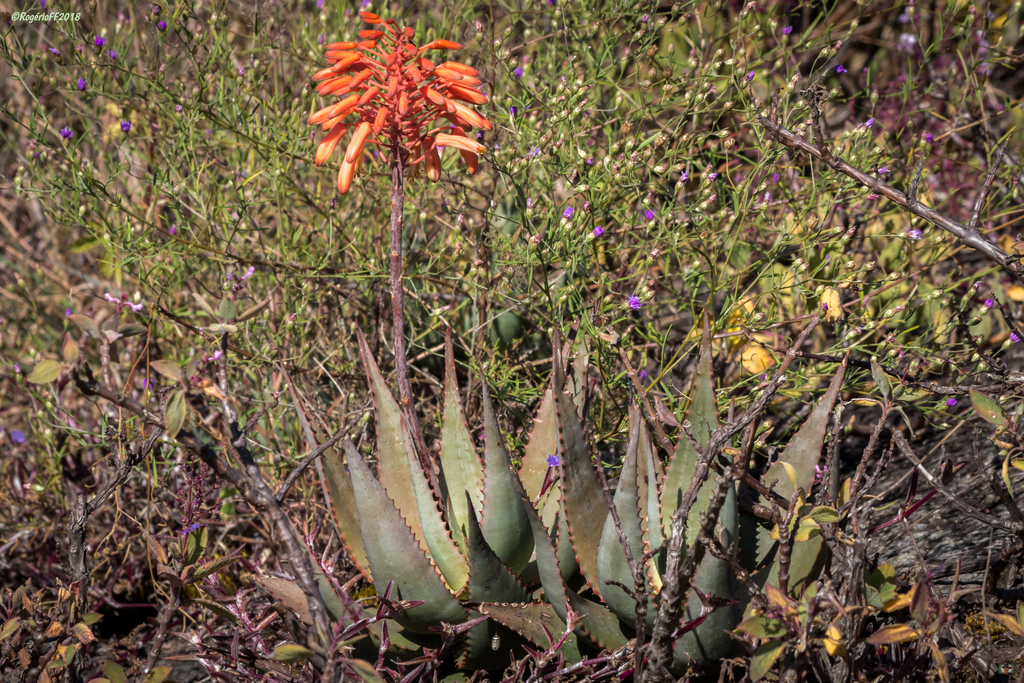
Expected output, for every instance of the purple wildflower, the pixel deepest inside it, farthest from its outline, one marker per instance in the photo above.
(126, 125)
(99, 41)
(81, 84)
(775, 177)
(989, 303)
(513, 110)
(156, 10)
(914, 234)
(67, 312)
(178, 108)
(173, 229)
(17, 436)
(750, 76)
(634, 302)
(568, 212)
(54, 51)
(928, 137)
(162, 25)
(1014, 338)
(518, 71)
(190, 528)
(112, 54)
(712, 176)
(870, 122)
(66, 133)
(840, 69)
(649, 215)
(882, 170)
(951, 402)
(684, 177)
(786, 30)
(534, 152)
(598, 231)
(553, 461)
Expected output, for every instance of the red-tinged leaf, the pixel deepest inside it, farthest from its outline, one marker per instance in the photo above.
(585, 508)
(764, 657)
(289, 593)
(83, 633)
(504, 522)
(394, 554)
(337, 485)
(611, 558)
(543, 444)
(898, 633)
(703, 418)
(463, 471)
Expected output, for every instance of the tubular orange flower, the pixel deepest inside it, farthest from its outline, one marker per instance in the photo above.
(396, 94)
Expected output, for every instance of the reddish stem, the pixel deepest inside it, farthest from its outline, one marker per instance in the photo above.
(398, 312)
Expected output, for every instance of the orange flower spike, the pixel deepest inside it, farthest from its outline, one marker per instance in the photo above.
(394, 93)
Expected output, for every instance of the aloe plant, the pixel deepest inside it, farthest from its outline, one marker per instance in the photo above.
(526, 546)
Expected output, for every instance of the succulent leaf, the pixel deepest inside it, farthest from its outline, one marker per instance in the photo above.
(804, 449)
(585, 509)
(401, 474)
(603, 627)
(337, 485)
(703, 418)
(547, 563)
(395, 554)
(649, 474)
(611, 558)
(711, 641)
(529, 620)
(489, 579)
(542, 445)
(460, 463)
(504, 521)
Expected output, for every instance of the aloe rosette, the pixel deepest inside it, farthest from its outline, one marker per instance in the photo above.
(524, 546)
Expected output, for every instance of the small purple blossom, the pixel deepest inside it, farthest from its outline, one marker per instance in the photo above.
(66, 133)
(67, 312)
(634, 302)
(81, 84)
(162, 25)
(513, 110)
(598, 231)
(643, 374)
(786, 30)
(178, 108)
(534, 152)
(190, 528)
(870, 122)
(112, 54)
(173, 229)
(54, 51)
(126, 125)
(17, 436)
(99, 41)
(518, 72)
(775, 177)
(750, 76)
(649, 215)
(1014, 338)
(568, 212)
(156, 10)
(241, 71)
(989, 303)
(767, 197)
(929, 137)
(840, 69)
(553, 461)
(712, 175)
(882, 170)
(684, 177)
(951, 402)
(914, 234)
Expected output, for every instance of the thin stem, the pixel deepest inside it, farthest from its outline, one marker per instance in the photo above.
(398, 311)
